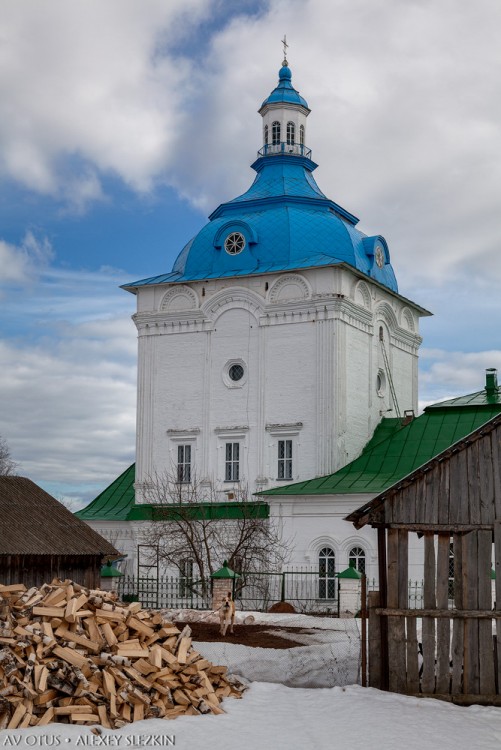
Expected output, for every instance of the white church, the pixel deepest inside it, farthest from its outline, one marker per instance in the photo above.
(279, 356)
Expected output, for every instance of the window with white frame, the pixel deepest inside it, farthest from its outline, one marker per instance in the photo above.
(291, 133)
(284, 459)
(356, 559)
(232, 462)
(266, 134)
(184, 463)
(301, 135)
(326, 573)
(275, 133)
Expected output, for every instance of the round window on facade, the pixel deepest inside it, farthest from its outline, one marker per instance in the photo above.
(234, 243)
(234, 373)
(380, 383)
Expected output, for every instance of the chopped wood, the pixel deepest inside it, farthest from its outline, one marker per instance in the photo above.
(76, 655)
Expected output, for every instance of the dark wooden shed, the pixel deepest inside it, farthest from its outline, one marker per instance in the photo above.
(454, 502)
(41, 539)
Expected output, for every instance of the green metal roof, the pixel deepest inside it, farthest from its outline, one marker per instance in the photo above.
(115, 502)
(396, 449)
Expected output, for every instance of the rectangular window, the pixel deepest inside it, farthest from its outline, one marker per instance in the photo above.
(186, 577)
(184, 463)
(232, 462)
(285, 459)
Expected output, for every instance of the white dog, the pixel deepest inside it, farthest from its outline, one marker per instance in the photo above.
(226, 614)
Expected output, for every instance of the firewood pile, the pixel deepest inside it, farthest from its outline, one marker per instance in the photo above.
(73, 655)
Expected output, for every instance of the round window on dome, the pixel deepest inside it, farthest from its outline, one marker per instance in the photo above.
(234, 243)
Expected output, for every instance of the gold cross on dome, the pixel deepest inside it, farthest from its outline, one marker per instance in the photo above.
(284, 42)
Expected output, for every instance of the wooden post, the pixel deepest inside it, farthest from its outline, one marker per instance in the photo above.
(375, 641)
(443, 625)
(383, 599)
(497, 568)
(428, 678)
(363, 615)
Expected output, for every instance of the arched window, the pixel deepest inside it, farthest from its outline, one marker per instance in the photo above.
(291, 133)
(266, 135)
(326, 571)
(275, 133)
(301, 135)
(356, 559)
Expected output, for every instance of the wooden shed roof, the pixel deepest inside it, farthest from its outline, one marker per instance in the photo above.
(471, 479)
(32, 522)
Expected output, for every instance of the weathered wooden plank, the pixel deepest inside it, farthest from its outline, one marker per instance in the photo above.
(471, 669)
(497, 603)
(486, 484)
(412, 656)
(485, 642)
(396, 626)
(496, 470)
(455, 491)
(432, 488)
(374, 641)
(458, 625)
(443, 625)
(440, 614)
(463, 494)
(473, 472)
(443, 492)
(438, 528)
(420, 500)
(383, 591)
(428, 624)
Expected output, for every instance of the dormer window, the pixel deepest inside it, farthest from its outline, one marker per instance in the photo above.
(266, 135)
(291, 133)
(234, 243)
(301, 135)
(275, 133)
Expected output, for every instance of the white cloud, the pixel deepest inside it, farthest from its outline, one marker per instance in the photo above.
(405, 120)
(68, 380)
(85, 80)
(21, 264)
(447, 374)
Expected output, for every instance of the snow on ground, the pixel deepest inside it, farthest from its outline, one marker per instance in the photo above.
(275, 717)
(272, 716)
(330, 656)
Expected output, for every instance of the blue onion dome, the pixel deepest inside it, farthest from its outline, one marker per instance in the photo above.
(282, 222)
(285, 91)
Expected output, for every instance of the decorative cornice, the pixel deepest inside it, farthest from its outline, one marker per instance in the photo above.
(190, 431)
(231, 428)
(162, 323)
(284, 427)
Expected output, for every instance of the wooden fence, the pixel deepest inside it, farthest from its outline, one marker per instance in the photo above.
(447, 649)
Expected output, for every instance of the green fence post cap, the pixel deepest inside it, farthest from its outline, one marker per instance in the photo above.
(108, 571)
(350, 572)
(225, 572)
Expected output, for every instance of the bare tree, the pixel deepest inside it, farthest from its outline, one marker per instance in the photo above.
(7, 465)
(191, 525)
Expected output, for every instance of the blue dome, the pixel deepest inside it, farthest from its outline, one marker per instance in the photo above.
(283, 222)
(286, 223)
(285, 91)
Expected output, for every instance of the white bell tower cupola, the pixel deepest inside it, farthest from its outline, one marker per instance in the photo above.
(284, 115)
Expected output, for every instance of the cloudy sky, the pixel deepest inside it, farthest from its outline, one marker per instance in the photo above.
(123, 123)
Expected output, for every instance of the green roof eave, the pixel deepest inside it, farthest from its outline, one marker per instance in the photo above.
(199, 511)
(113, 503)
(383, 462)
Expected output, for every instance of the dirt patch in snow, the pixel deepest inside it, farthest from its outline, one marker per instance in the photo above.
(257, 636)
